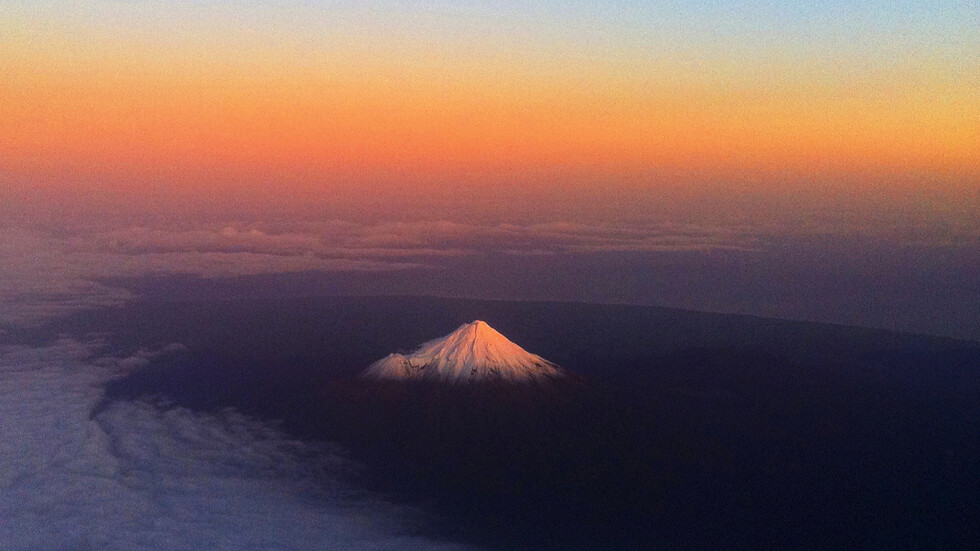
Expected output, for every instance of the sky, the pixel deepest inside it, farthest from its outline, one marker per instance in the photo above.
(397, 109)
(804, 160)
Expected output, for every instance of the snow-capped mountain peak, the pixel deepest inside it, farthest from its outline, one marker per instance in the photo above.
(474, 352)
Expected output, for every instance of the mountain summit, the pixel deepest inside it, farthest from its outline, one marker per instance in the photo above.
(474, 352)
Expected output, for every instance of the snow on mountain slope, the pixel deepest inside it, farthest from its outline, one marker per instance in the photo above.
(474, 352)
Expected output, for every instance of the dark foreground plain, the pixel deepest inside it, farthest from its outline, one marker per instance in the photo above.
(681, 430)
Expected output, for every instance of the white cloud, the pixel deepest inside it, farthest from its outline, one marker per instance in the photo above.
(138, 476)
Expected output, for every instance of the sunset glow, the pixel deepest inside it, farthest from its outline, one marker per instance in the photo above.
(336, 97)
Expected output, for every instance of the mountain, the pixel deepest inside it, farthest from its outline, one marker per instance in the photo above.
(474, 352)
(694, 430)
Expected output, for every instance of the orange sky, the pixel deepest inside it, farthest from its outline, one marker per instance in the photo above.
(115, 112)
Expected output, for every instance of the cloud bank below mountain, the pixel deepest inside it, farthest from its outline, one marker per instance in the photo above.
(138, 475)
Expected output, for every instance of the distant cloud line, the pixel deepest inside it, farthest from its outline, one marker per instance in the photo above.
(46, 273)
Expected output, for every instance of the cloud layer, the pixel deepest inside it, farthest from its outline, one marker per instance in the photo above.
(138, 476)
(45, 274)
